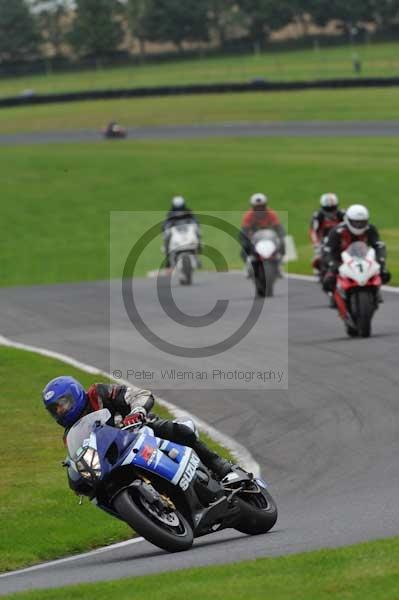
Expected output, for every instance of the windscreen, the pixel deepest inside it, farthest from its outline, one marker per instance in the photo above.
(264, 234)
(81, 431)
(358, 250)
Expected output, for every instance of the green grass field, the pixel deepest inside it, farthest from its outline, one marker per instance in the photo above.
(59, 198)
(361, 572)
(40, 518)
(381, 59)
(357, 105)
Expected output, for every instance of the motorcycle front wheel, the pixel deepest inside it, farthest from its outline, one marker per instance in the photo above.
(167, 530)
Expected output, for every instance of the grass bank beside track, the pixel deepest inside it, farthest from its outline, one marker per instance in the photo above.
(361, 572)
(40, 518)
(379, 59)
(56, 200)
(312, 105)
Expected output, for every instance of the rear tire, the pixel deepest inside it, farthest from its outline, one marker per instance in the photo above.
(258, 513)
(144, 523)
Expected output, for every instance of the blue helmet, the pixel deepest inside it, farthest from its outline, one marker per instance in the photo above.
(65, 399)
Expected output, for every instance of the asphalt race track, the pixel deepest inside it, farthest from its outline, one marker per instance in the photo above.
(246, 129)
(328, 445)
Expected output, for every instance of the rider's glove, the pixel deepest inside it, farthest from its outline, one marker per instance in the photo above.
(385, 276)
(138, 415)
(329, 281)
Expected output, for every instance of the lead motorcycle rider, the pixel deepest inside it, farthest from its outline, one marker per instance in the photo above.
(355, 228)
(67, 401)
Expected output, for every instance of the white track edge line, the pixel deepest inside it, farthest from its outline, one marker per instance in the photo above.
(309, 278)
(60, 561)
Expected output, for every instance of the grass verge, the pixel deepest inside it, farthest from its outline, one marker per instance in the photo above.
(312, 105)
(378, 60)
(52, 225)
(39, 516)
(364, 571)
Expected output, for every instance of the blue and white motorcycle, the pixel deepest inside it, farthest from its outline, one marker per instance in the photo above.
(160, 488)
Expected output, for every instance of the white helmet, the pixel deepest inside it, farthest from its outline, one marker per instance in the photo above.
(329, 201)
(357, 219)
(258, 200)
(178, 202)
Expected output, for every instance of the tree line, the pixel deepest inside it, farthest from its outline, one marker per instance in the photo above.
(98, 28)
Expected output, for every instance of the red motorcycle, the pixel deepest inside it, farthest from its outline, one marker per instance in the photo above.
(358, 289)
(115, 131)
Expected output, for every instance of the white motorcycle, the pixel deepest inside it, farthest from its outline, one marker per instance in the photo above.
(184, 246)
(264, 263)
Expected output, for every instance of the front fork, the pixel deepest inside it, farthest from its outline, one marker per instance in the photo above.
(340, 298)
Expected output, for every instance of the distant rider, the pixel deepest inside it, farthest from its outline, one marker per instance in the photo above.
(260, 216)
(177, 212)
(114, 129)
(328, 217)
(355, 228)
(67, 401)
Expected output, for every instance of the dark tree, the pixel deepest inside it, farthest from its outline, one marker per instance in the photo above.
(52, 20)
(385, 13)
(19, 38)
(264, 16)
(96, 31)
(137, 14)
(223, 17)
(176, 21)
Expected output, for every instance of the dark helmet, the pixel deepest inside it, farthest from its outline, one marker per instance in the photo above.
(65, 399)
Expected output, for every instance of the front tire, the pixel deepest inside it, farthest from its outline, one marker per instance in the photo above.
(260, 279)
(258, 513)
(270, 271)
(186, 270)
(364, 307)
(176, 537)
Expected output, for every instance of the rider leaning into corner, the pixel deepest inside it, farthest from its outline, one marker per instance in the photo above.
(260, 216)
(177, 212)
(355, 228)
(323, 220)
(67, 401)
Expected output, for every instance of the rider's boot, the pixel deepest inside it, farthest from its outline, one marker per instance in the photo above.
(220, 466)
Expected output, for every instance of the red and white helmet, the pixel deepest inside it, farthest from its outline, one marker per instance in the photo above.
(329, 201)
(357, 219)
(258, 199)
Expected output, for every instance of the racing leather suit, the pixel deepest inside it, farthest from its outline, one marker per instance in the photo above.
(321, 224)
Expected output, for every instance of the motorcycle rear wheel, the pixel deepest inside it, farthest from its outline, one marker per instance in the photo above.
(258, 513)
